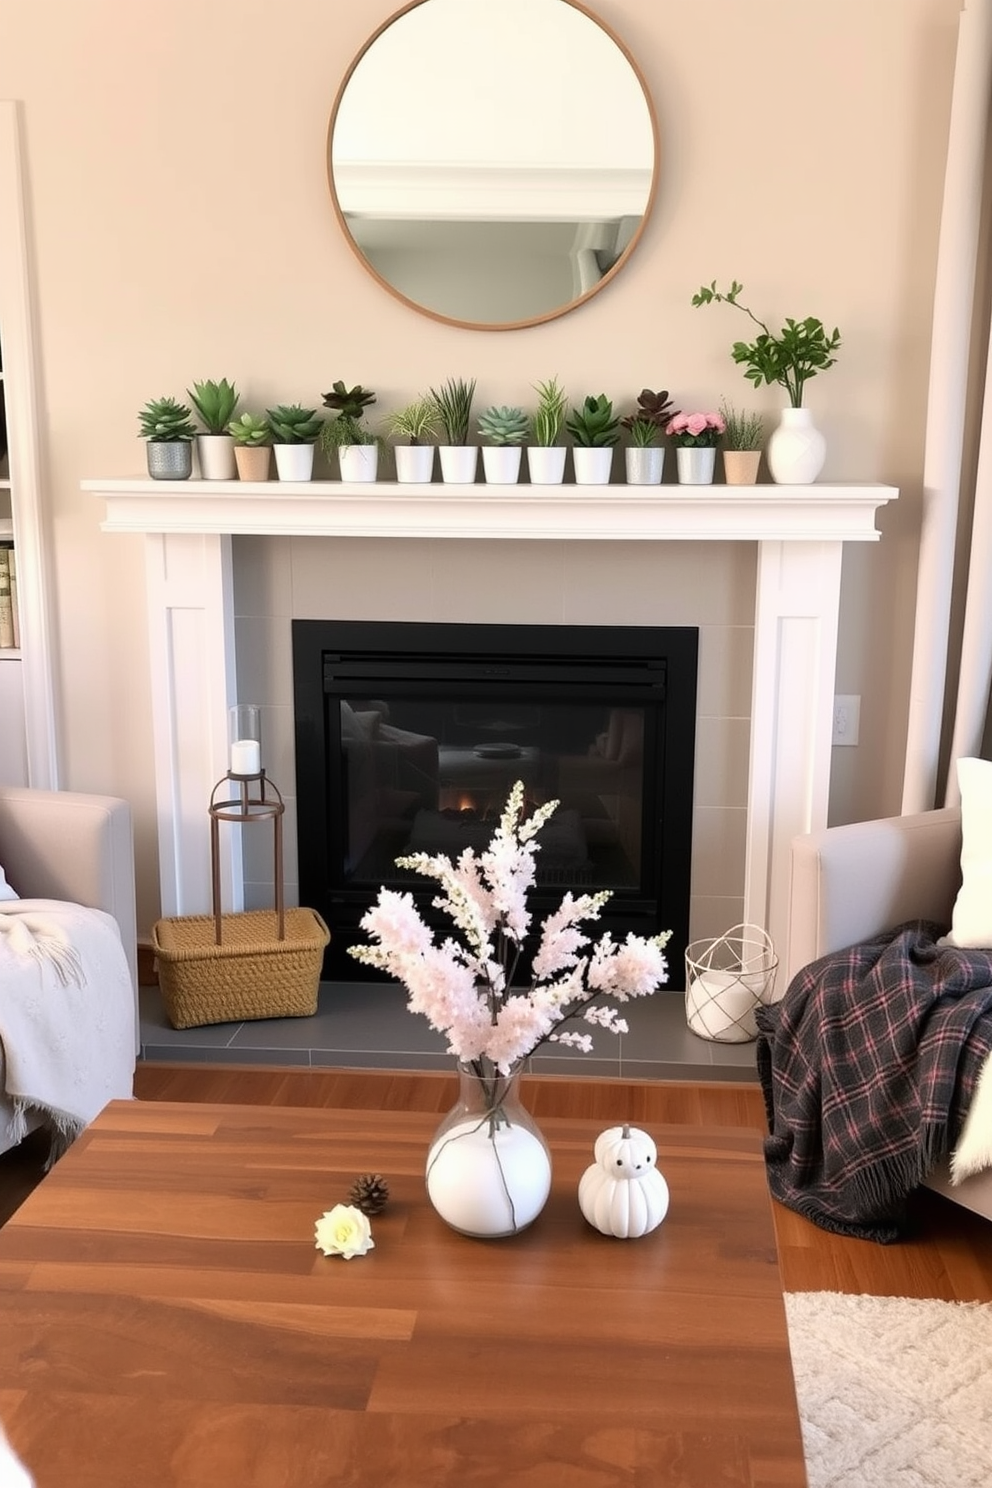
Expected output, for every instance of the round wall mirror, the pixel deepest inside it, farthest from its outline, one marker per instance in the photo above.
(493, 162)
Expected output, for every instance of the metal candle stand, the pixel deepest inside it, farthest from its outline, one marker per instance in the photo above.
(246, 807)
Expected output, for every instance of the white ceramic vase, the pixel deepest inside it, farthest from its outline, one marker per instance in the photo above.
(592, 465)
(796, 449)
(695, 465)
(501, 463)
(358, 462)
(644, 465)
(414, 463)
(459, 463)
(215, 453)
(294, 462)
(546, 464)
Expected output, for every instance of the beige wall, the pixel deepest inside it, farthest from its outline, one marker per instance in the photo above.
(181, 228)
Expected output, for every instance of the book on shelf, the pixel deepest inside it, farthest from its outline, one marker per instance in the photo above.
(7, 632)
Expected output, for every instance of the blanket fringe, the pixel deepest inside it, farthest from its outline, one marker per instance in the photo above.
(63, 1128)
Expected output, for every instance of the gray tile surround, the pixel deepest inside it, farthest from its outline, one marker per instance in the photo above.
(368, 1026)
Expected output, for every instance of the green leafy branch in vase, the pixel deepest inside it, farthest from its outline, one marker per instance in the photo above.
(799, 351)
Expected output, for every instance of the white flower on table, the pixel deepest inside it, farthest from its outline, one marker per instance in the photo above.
(344, 1231)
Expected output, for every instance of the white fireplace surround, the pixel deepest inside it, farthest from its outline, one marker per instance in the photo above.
(799, 531)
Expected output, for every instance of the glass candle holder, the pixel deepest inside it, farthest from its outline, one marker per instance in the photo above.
(245, 737)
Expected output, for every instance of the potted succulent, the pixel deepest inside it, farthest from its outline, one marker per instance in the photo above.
(215, 403)
(294, 433)
(416, 428)
(645, 458)
(695, 436)
(796, 449)
(168, 429)
(743, 437)
(453, 401)
(357, 445)
(252, 437)
(594, 430)
(545, 456)
(504, 430)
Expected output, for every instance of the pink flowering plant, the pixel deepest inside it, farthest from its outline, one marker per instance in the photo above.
(695, 430)
(465, 986)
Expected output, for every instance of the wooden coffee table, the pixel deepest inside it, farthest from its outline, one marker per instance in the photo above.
(166, 1320)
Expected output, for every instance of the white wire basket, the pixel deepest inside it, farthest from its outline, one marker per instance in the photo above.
(726, 980)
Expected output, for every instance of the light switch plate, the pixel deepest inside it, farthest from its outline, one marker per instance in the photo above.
(847, 718)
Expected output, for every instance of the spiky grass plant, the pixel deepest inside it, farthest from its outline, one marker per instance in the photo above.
(417, 423)
(166, 421)
(549, 417)
(502, 425)
(744, 431)
(215, 402)
(453, 401)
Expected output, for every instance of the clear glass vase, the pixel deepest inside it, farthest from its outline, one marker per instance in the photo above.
(488, 1167)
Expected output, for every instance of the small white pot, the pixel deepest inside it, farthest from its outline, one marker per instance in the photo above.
(294, 462)
(414, 463)
(546, 464)
(358, 462)
(459, 463)
(644, 465)
(215, 452)
(592, 466)
(696, 465)
(501, 463)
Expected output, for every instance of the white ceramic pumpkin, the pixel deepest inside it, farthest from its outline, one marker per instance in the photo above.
(622, 1193)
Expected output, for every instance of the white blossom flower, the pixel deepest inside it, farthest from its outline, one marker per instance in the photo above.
(344, 1231)
(464, 987)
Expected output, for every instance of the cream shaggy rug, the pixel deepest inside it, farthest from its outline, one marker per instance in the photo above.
(893, 1392)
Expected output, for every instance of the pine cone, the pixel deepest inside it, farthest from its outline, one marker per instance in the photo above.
(369, 1193)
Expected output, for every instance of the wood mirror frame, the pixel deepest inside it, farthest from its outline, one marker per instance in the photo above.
(439, 206)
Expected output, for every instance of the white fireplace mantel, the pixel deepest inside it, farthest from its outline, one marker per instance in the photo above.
(799, 530)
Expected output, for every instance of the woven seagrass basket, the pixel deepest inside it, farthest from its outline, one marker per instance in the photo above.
(251, 974)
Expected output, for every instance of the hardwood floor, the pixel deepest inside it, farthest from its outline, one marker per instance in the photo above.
(948, 1253)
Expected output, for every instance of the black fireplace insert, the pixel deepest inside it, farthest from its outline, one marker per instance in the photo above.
(410, 735)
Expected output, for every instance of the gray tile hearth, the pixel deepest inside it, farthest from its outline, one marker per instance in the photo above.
(360, 1025)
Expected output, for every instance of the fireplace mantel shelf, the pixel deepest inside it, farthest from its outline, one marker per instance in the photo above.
(800, 532)
(829, 513)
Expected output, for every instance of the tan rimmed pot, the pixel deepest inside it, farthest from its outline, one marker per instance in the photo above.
(740, 467)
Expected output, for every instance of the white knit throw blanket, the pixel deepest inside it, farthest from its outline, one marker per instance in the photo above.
(66, 1014)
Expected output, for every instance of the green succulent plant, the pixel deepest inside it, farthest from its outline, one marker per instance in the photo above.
(348, 427)
(647, 423)
(215, 402)
(453, 401)
(251, 430)
(593, 425)
(166, 421)
(799, 351)
(549, 418)
(349, 402)
(502, 425)
(292, 424)
(417, 423)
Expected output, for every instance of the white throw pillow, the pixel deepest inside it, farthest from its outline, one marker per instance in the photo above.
(6, 892)
(971, 923)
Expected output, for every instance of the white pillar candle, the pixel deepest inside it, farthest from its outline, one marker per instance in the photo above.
(716, 1001)
(246, 757)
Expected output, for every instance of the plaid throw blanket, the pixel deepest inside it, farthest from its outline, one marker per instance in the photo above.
(868, 1065)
